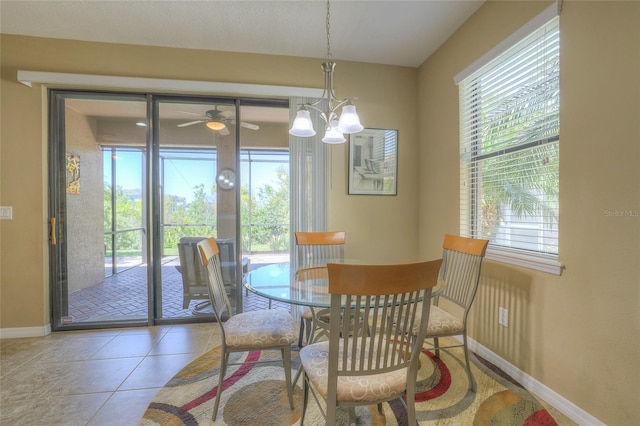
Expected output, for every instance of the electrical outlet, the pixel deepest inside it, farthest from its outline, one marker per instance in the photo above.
(503, 317)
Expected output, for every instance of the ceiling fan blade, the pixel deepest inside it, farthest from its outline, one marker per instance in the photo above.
(224, 132)
(191, 113)
(249, 125)
(190, 123)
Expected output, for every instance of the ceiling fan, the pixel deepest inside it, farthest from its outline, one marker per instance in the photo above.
(218, 120)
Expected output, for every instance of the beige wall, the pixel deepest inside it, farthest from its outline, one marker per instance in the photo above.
(387, 98)
(577, 333)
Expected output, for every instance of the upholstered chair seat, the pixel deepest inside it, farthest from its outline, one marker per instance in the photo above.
(364, 388)
(260, 329)
(442, 322)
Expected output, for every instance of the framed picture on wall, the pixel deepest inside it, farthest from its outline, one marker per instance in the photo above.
(73, 173)
(373, 162)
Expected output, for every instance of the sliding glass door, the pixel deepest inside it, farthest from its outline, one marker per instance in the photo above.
(195, 154)
(137, 180)
(98, 209)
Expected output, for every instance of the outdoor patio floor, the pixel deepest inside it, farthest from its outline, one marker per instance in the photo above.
(123, 296)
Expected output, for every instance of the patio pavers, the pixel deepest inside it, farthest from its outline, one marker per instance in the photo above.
(124, 295)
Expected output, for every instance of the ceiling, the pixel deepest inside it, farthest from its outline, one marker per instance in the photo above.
(394, 32)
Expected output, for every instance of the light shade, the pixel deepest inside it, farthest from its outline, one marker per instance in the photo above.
(302, 125)
(215, 125)
(349, 120)
(332, 135)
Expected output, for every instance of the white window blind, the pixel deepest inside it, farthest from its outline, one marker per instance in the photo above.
(509, 134)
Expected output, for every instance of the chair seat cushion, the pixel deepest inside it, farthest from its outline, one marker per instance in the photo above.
(260, 329)
(442, 322)
(315, 361)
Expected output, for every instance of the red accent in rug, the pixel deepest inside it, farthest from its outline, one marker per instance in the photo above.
(237, 375)
(442, 386)
(540, 418)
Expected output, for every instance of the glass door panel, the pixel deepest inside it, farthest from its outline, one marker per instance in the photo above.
(265, 204)
(99, 261)
(196, 164)
(125, 236)
(264, 199)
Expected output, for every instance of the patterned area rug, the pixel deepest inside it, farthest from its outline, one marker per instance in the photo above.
(256, 395)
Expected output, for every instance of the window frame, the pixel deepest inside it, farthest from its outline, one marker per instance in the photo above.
(471, 162)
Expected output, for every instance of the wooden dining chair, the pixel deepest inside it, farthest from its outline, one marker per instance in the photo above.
(459, 278)
(314, 247)
(370, 356)
(247, 331)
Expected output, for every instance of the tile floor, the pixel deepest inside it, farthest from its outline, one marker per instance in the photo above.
(101, 377)
(98, 377)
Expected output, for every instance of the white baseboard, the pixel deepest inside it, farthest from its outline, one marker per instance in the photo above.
(14, 333)
(551, 397)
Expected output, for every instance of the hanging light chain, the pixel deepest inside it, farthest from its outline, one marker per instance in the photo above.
(328, 33)
(349, 121)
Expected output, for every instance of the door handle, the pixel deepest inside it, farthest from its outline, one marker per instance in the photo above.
(53, 231)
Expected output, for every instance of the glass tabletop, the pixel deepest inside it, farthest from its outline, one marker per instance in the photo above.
(307, 286)
(278, 282)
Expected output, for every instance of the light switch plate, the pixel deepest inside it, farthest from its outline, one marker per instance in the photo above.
(6, 212)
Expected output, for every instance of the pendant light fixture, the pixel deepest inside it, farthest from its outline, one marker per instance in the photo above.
(335, 128)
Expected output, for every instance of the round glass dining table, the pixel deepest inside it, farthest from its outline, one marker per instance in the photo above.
(277, 281)
(308, 286)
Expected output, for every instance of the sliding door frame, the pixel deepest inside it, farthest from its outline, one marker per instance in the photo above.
(152, 221)
(57, 204)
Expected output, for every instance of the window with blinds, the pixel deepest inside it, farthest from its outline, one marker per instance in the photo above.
(509, 145)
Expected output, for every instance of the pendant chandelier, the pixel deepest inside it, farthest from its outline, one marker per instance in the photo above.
(335, 128)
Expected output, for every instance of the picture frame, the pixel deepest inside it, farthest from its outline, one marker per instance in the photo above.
(373, 162)
(73, 173)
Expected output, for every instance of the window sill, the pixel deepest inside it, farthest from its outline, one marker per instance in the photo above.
(537, 261)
